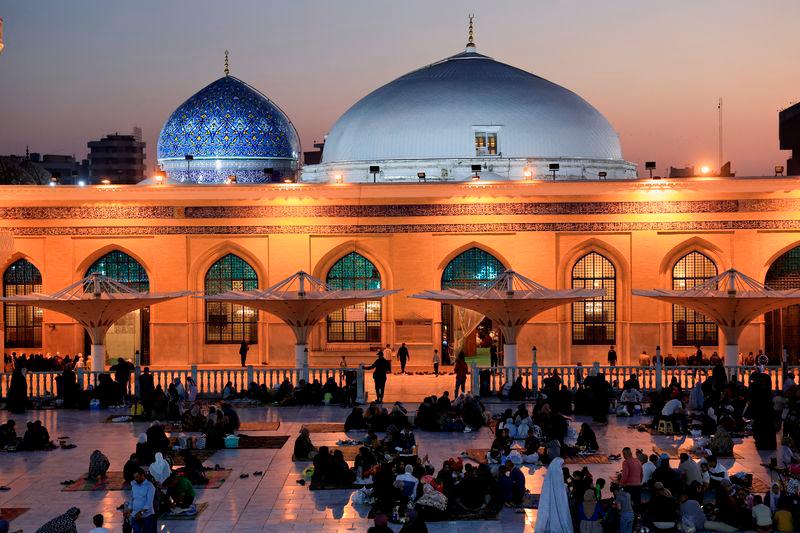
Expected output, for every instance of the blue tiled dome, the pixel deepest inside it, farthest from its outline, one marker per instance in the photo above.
(229, 128)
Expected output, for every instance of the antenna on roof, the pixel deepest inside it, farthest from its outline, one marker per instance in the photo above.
(227, 67)
(471, 41)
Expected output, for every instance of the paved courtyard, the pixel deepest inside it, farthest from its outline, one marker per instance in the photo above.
(274, 502)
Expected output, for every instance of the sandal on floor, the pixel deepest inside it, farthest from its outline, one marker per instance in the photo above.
(244, 476)
(4, 488)
(258, 473)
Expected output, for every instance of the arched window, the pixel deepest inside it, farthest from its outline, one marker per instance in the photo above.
(462, 328)
(360, 322)
(123, 268)
(131, 333)
(594, 321)
(23, 323)
(228, 323)
(782, 327)
(690, 328)
(471, 269)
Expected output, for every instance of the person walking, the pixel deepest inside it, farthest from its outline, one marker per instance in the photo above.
(402, 354)
(461, 370)
(436, 362)
(243, 349)
(381, 368)
(612, 356)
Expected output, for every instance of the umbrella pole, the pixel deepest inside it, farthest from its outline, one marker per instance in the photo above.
(98, 357)
(731, 355)
(510, 351)
(301, 358)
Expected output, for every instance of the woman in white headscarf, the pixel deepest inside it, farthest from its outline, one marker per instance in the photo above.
(554, 515)
(160, 469)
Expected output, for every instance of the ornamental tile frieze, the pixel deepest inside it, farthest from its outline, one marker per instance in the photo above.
(331, 229)
(101, 212)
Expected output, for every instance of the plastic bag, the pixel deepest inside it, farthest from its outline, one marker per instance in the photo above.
(308, 473)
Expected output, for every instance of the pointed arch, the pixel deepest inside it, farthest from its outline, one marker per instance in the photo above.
(689, 327)
(603, 248)
(326, 262)
(213, 254)
(594, 321)
(83, 267)
(22, 323)
(468, 246)
(782, 327)
(471, 268)
(694, 244)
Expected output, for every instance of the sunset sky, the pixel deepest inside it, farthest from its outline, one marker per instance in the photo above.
(76, 70)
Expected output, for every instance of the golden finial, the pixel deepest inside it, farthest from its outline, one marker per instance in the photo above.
(227, 68)
(471, 41)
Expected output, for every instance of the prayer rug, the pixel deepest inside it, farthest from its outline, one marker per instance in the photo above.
(759, 486)
(325, 427)
(259, 426)
(10, 513)
(268, 442)
(674, 453)
(477, 454)
(112, 481)
(330, 486)
(596, 459)
(202, 455)
(215, 479)
(349, 453)
(169, 516)
(531, 501)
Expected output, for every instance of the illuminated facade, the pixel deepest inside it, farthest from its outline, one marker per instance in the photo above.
(616, 234)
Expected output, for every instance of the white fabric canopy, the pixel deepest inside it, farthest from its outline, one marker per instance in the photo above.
(95, 302)
(509, 302)
(732, 300)
(554, 515)
(301, 301)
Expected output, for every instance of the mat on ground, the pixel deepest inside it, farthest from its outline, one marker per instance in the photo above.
(200, 507)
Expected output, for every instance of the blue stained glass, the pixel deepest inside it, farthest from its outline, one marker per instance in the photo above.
(233, 127)
(472, 269)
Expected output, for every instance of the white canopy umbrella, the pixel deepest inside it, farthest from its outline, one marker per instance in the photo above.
(732, 300)
(510, 302)
(95, 302)
(301, 301)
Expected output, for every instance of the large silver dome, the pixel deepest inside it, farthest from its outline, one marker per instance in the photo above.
(434, 112)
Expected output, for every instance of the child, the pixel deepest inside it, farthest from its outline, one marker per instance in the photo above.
(98, 520)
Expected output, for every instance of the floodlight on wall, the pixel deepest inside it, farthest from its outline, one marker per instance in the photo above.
(421, 176)
(527, 173)
(476, 169)
(602, 174)
(105, 181)
(53, 181)
(374, 170)
(779, 170)
(337, 178)
(650, 166)
(554, 167)
(189, 158)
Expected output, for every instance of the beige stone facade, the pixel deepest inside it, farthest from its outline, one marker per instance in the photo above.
(409, 232)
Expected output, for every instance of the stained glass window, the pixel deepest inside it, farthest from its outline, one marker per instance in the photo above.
(471, 269)
(594, 321)
(228, 323)
(782, 327)
(23, 323)
(360, 322)
(689, 327)
(123, 268)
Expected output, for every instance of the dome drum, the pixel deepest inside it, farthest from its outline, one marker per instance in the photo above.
(455, 170)
(246, 170)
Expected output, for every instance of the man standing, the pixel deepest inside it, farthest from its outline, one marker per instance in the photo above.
(436, 362)
(461, 370)
(612, 356)
(631, 477)
(243, 349)
(140, 510)
(402, 354)
(493, 354)
(146, 391)
(381, 367)
(698, 356)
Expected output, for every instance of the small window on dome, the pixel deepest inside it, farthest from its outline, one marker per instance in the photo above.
(485, 143)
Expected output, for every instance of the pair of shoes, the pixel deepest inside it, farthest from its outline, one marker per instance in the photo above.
(301, 482)
(244, 476)
(258, 473)
(68, 482)
(4, 488)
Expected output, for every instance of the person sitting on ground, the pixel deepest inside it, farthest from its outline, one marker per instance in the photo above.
(689, 471)
(406, 440)
(230, 418)
(364, 462)
(98, 465)
(340, 470)
(36, 437)
(407, 483)
(721, 444)
(517, 390)
(160, 469)
(786, 456)
(304, 449)
(443, 404)
(229, 392)
(64, 523)
(180, 491)
(517, 479)
(691, 512)
(590, 513)
(322, 467)
(716, 471)
(157, 439)
(665, 476)
(762, 515)
(784, 521)
(399, 415)
(532, 445)
(8, 434)
(193, 468)
(98, 520)
(472, 495)
(587, 439)
(144, 452)
(355, 420)
(630, 398)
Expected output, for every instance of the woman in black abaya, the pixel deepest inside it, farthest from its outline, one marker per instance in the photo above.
(17, 392)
